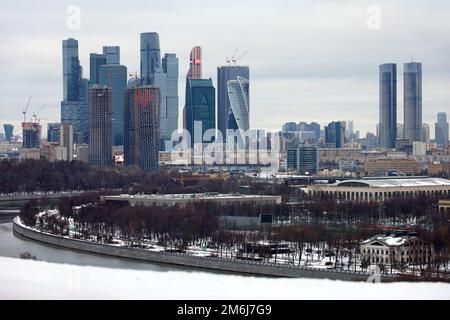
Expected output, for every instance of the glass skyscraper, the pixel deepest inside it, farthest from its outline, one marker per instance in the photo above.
(9, 129)
(303, 159)
(388, 105)
(238, 95)
(200, 107)
(150, 56)
(96, 60)
(169, 113)
(441, 129)
(76, 114)
(115, 77)
(112, 54)
(71, 69)
(53, 132)
(100, 126)
(335, 134)
(224, 113)
(412, 82)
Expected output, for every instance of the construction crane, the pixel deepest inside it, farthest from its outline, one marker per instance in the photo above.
(24, 111)
(232, 57)
(37, 113)
(234, 60)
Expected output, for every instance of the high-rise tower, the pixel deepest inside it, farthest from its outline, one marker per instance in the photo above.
(150, 56)
(195, 64)
(225, 117)
(441, 129)
(412, 83)
(100, 126)
(388, 105)
(238, 94)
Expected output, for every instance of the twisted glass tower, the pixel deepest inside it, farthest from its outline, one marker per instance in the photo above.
(238, 94)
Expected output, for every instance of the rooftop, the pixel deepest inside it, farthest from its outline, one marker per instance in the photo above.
(392, 183)
(204, 196)
(390, 240)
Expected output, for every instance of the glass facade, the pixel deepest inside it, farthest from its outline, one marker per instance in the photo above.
(200, 107)
(112, 54)
(335, 134)
(76, 113)
(9, 129)
(150, 56)
(224, 113)
(412, 101)
(115, 77)
(100, 126)
(441, 129)
(53, 132)
(238, 95)
(96, 60)
(303, 159)
(169, 115)
(388, 105)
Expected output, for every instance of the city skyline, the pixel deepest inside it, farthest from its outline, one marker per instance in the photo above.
(294, 84)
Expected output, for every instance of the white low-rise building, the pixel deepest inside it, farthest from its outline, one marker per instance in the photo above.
(394, 249)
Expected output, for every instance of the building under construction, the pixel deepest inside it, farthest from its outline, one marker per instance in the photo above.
(31, 133)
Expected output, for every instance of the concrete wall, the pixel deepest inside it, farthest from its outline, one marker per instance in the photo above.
(255, 268)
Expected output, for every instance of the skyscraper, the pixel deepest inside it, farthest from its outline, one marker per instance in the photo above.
(9, 129)
(388, 105)
(112, 54)
(303, 158)
(96, 60)
(31, 134)
(71, 69)
(225, 116)
(76, 113)
(129, 133)
(195, 64)
(150, 56)
(115, 77)
(238, 95)
(335, 134)
(74, 107)
(169, 115)
(66, 140)
(100, 126)
(147, 104)
(199, 108)
(412, 101)
(290, 127)
(53, 130)
(441, 129)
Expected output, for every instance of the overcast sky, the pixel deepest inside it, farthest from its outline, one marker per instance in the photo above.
(311, 60)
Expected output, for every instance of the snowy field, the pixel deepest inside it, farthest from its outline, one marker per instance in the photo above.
(27, 279)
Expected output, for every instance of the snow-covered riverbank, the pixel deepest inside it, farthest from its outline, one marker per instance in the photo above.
(27, 279)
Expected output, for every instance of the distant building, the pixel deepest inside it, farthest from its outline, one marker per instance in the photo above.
(412, 101)
(183, 200)
(115, 77)
(129, 134)
(426, 133)
(381, 188)
(82, 153)
(150, 56)
(53, 130)
(66, 140)
(303, 159)
(238, 94)
(335, 134)
(76, 113)
(147, 109)
(441, 129)
(169, 115)
(31, 135)
(9, 132)
(225, 116)
(199, 108)
(388, 105)
(379, 167)
(394, 249)
(419, 148)
(71, 70)
(289, 127)
(195, 63)
(112, 54)
(96, 60)
(100, 126)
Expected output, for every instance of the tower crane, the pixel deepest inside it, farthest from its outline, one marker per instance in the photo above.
(233, 57)
(24, 111)
(238, 58)
(37, 113)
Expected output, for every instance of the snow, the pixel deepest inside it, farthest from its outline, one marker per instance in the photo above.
(28, 279)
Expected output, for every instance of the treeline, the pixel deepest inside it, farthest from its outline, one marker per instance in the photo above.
(45, 176)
